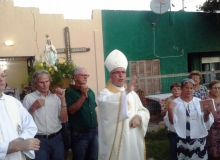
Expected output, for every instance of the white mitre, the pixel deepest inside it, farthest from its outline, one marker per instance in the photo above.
(116, 59)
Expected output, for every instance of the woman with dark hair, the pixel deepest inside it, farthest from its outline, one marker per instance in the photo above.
(190, 123)
(175, 90)
(200, 91)
(213, 139)
(172, 136)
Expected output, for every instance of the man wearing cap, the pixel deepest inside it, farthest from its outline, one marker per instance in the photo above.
(122, 118)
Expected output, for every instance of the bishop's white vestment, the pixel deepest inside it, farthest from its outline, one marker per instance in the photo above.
(15, 122)
(117, 140)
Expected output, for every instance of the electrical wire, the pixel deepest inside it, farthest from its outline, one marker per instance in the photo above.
(154, 48)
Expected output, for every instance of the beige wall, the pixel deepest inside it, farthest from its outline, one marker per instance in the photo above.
(27, 28)
(16, 74)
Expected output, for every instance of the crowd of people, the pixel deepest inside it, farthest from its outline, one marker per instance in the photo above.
(46, 125)
(193, 133)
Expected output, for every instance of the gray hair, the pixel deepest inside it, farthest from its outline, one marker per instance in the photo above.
(77, 69)
(187, 80)
(35, 76)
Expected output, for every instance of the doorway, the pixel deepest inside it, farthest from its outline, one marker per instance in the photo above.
(17, 70)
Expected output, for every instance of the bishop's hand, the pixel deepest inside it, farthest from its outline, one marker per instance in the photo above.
(132, 84)
(135, 121)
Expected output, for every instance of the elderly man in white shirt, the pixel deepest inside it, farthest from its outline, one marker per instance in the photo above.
(17, 127)
(48, 111)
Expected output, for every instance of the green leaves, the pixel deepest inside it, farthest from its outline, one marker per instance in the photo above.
(61, 69)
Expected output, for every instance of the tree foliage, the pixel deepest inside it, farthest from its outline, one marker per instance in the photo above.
(211, 6)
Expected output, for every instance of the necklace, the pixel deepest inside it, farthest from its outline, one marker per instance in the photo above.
(187, 107)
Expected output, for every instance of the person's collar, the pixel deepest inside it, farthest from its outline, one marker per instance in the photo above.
(119, 88)
(112, 88)
(2, 97)
(39, 94)
(186, 99)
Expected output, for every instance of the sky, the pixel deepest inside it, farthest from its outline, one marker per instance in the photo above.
(82, 9)
(191, 5)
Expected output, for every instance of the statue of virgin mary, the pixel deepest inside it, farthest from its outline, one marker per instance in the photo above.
(50, 52)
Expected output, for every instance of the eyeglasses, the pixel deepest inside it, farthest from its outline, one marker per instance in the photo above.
(84, 75)
(215, 88)
(3, 75)
(118, 72)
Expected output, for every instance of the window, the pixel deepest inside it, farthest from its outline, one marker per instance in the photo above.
(144, 68)
(210, 64)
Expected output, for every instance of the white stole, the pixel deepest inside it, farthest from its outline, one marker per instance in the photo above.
(14, 115)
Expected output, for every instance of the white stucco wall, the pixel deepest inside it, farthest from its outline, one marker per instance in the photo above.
(27, 28)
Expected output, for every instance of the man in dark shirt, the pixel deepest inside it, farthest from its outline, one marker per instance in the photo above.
(82, 117)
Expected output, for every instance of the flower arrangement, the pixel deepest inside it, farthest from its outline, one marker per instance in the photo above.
(62, 69)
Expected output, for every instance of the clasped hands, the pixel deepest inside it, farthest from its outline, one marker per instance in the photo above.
(84, 90)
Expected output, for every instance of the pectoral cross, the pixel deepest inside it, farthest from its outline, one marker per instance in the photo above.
(19, 129)
(68, 50)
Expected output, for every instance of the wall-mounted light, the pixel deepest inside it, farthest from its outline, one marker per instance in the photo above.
(9, 43)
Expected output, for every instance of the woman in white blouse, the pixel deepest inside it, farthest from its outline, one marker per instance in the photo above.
(191, 125)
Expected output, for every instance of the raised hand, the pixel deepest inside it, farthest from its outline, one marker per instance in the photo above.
(206, 111)
(171, 104)
(60, 93)
(132, 84)
(39, 103)
(84, 90)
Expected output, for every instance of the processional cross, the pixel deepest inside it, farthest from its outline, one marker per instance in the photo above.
(68, 50)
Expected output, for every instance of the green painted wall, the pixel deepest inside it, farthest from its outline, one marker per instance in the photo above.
(175, 32)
